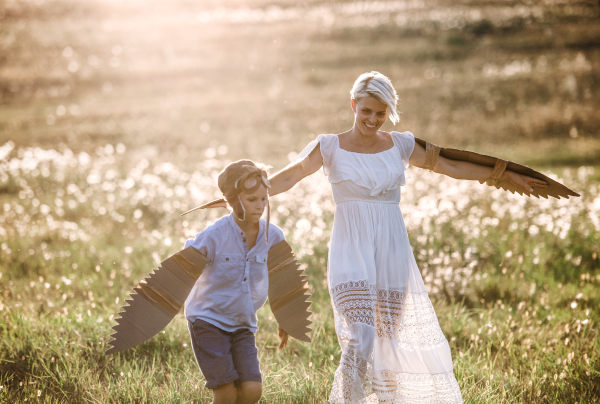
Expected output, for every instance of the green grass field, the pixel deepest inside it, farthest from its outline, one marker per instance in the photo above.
(115, 118)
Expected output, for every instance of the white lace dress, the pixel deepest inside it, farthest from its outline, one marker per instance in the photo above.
(393, 350)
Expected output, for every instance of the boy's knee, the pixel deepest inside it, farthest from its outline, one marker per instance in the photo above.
(250, 392)
(226, 394)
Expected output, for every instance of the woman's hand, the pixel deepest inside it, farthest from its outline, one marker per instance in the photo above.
(283, 337)
(523, 181)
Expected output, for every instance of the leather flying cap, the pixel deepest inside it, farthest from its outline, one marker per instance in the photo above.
(241, 176)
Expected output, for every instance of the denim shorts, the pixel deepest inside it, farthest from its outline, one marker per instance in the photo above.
(224, 357)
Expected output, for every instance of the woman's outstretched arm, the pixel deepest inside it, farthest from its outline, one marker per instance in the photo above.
(464, 170)
(288, 177)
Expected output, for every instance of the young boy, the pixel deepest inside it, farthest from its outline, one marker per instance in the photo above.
(221, 308)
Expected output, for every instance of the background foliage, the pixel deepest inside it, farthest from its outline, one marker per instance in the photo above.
(116, 117)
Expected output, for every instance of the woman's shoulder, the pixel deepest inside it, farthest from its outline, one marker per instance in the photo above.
(328, 138)
(405, 142)
(402, 135)
(403, 139)
(328, 143)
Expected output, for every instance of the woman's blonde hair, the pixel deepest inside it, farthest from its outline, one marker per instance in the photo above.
(376, 85)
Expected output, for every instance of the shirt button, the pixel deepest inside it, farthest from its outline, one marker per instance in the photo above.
(245, 279)
(227, 259)
(244, 239)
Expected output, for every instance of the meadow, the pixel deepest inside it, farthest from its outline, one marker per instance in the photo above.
(115, 118)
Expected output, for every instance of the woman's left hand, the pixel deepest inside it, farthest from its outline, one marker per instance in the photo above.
(523, 181)
(283, 337)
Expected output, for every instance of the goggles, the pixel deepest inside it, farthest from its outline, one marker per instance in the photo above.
(249, 183)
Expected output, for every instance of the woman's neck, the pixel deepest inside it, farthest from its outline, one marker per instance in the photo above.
(362, 140)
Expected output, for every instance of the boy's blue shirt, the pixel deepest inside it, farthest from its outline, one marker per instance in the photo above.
(235, 284)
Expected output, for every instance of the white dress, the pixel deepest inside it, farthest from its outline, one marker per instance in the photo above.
(393, 350)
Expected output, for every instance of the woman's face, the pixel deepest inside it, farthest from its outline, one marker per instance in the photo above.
(369, 115)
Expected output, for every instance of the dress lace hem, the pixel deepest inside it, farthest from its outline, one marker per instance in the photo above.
(356, 382)
(401, 316)
(407, 324)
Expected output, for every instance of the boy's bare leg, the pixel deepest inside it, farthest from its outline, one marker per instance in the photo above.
(226, 394)
(249, 392)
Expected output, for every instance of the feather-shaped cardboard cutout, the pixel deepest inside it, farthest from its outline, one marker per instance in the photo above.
(158, 298)
(288, 292)
(217, 203)
(554, 189)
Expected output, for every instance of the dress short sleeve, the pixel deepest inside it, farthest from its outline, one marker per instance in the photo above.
(328, 147)
(405, 141)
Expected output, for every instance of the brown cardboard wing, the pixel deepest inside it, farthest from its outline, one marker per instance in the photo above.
(554, 189)
(288, 291)
(157, 299)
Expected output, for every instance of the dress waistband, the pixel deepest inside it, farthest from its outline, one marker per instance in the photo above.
(348, 191)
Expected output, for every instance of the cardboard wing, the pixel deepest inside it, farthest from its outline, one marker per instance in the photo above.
(288, 292)
(157, 299)
(554, 189)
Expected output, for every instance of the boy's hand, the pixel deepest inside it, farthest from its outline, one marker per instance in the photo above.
(283, 336)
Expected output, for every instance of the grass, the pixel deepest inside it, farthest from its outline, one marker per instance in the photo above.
(116, 117)
(514, 282)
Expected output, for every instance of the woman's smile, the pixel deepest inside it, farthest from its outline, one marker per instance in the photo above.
(371, 114)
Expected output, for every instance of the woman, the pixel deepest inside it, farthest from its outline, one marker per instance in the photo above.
(393, 350)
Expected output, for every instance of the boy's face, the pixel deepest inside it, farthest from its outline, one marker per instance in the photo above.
(255, 203)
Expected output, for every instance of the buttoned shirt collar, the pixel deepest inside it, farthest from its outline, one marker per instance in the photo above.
(241, 234)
